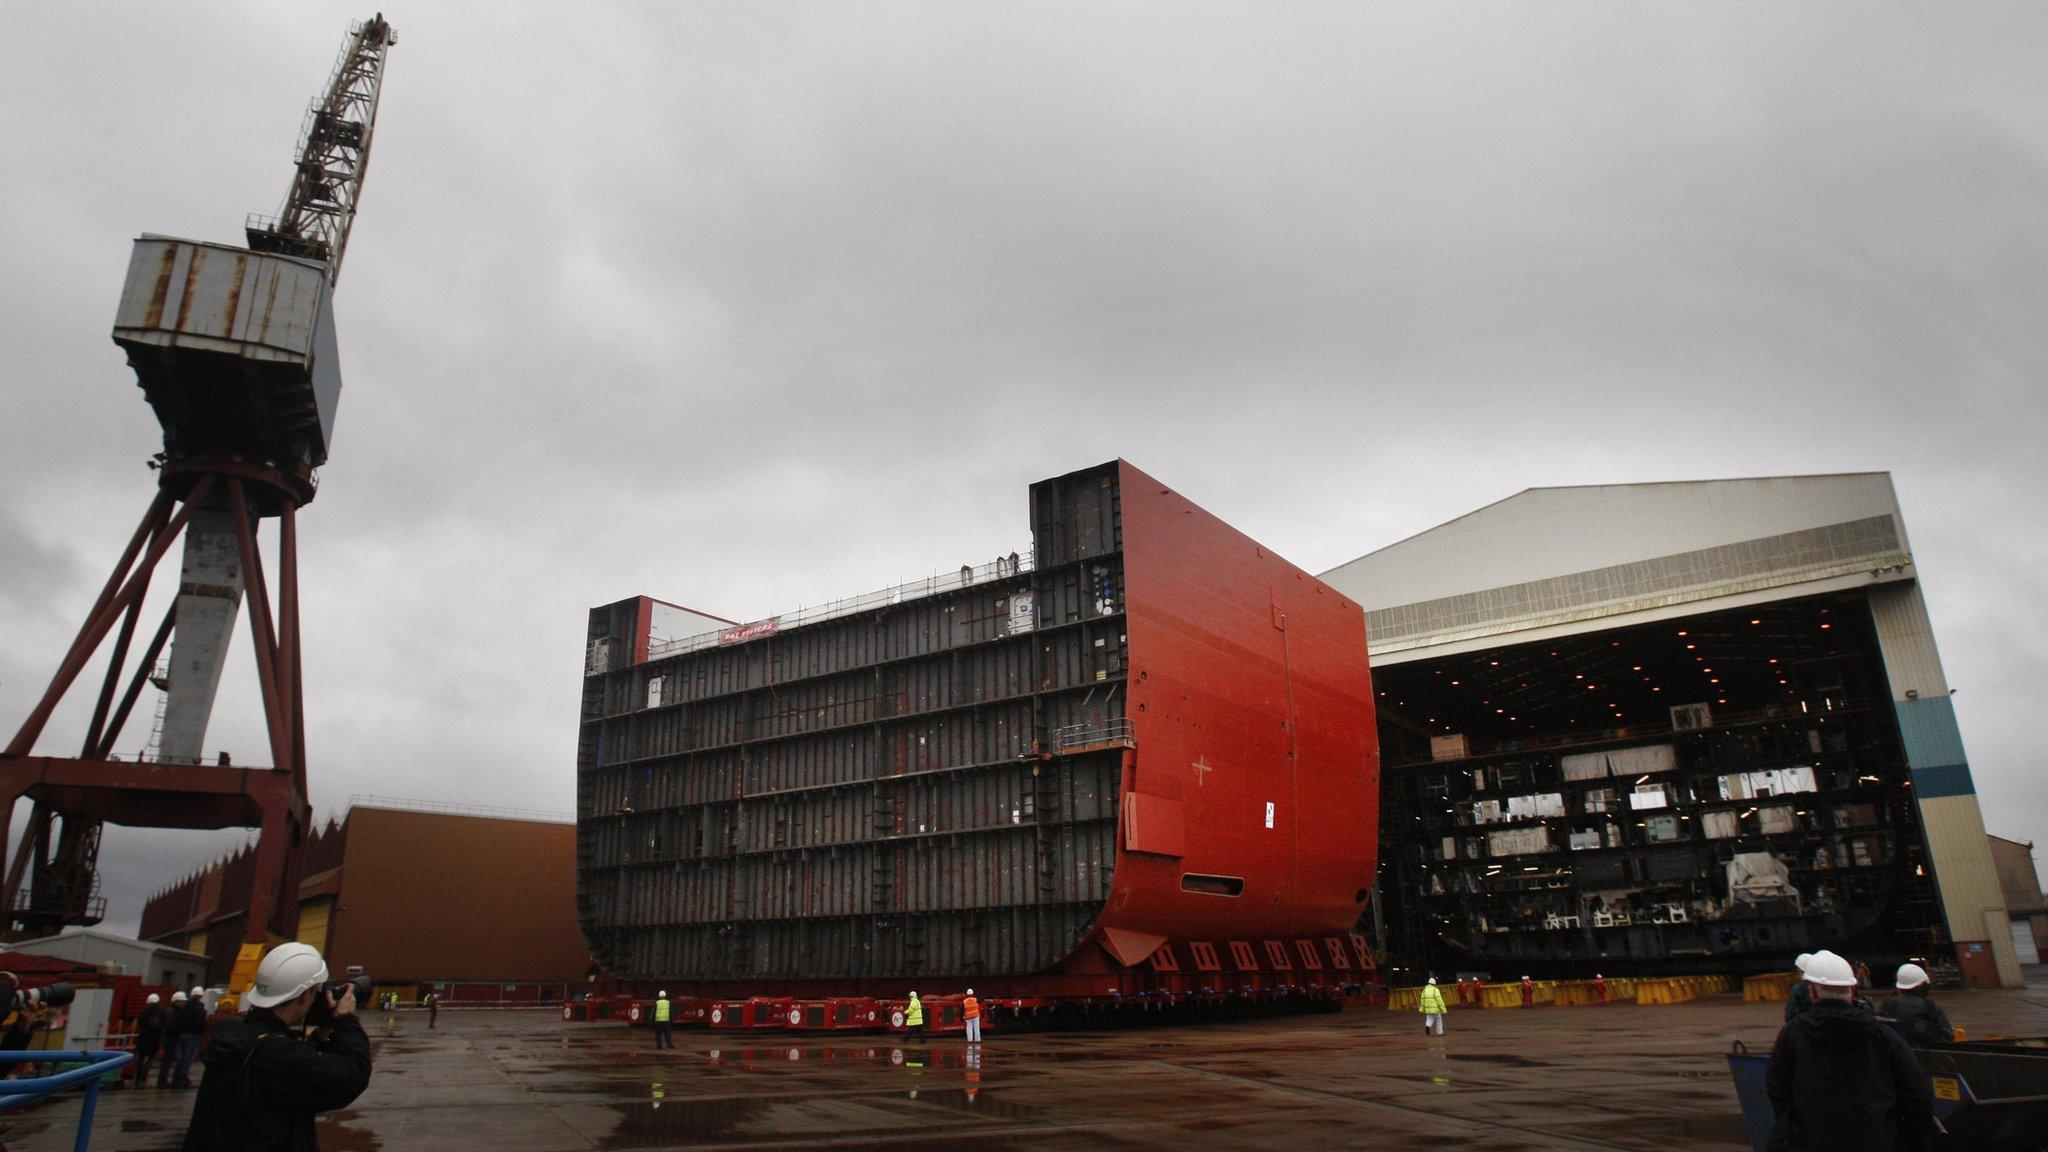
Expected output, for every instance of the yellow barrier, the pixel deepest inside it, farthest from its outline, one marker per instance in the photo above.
(1774, 986)
(1583, 993)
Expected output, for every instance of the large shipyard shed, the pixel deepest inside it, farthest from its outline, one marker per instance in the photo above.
(477, 902)
(1672, 727)
(1144, 746)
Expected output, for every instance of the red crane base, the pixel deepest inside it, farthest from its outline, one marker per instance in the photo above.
(93, 788)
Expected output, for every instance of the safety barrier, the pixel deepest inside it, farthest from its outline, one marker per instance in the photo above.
(1772, 986)
(1680, 989)
(94, 1067)
(1579, 993)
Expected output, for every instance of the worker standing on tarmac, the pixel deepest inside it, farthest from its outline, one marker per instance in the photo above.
(1839, 1081)
(149, 1036)
(1599, 988)
(174, 1025)
(1431, 1005)
(1800, 999)
(1528, 992)
(970, 1011)
(913, 1018)
(1912, 1013)
(664, 1030)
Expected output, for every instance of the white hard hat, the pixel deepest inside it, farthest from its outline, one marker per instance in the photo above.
(155, 999)
(1799, 961)
(177, 997)
(1432, 979)
(970, 991)
(913, 993)
(1911, 976)
(661, 995)
(1830, 971)
(198, 991)
(286, 972)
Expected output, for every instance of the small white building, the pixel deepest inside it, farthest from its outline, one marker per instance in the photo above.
(121, 955)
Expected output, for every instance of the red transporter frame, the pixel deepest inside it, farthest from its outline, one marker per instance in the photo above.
(91, 788)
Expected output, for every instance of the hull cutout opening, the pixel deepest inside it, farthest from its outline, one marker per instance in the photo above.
(1212, 885)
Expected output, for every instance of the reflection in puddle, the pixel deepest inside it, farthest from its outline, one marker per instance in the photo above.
(657, 1123)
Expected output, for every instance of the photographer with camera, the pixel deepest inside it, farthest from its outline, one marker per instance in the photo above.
(264, 1080)
(20, 1011)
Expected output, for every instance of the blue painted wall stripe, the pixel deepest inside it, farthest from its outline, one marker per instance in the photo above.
(1934, 747)
(1943, 780)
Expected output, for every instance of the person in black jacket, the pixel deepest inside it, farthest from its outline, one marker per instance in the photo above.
(264, 1080)
(1839, 1081)
(1800, 998)
(174, 1028)
(1912, 1013)
(149, 1037)
(190, 1012)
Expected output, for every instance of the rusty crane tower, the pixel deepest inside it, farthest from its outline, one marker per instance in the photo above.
(234, 348)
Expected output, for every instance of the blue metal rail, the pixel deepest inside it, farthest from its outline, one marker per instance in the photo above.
(95, 1065)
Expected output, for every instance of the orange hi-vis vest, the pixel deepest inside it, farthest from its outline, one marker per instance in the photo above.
(970, 1008)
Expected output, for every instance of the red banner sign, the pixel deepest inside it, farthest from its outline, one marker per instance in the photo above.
(746, 632)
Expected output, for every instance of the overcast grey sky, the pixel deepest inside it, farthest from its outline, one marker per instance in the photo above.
(748, 306)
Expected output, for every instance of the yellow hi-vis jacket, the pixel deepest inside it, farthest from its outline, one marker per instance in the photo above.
(661, 1010)
(913, 1013)
(1432, 1001)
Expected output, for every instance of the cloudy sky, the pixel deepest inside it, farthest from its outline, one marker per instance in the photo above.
(750, 306)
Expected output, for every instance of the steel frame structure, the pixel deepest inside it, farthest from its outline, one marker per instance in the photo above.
(43, 891)
(334, 155)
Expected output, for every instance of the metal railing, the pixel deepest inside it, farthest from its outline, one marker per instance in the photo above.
(1118, 731)
(15, 1093)
(453, 809)
(965, 576)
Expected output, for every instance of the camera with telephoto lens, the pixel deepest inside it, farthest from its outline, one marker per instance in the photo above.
(321, 1014)
(48, 996)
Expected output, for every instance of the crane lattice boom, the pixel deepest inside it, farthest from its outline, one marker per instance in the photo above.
(334, 153)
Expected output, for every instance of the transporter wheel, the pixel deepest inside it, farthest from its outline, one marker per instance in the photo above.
(568, 1013)
(717, 1015)
(796, 1016)
(895, 1019)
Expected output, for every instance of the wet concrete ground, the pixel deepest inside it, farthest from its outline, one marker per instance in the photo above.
(1580, 1079)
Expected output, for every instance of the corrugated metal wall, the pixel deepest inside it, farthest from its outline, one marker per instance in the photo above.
(865, 797)
(1949, 812)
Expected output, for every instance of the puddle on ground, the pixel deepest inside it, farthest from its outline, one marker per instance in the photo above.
(660, 1123)
(1501, 1058)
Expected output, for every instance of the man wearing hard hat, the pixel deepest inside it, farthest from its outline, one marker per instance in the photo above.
(1913, 1013)
(1430, 1002)
(149, 1036)
(1841, 1082)
(1800, 998)
(265, 1080)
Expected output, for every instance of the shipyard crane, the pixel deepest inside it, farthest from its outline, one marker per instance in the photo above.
(235, 350)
